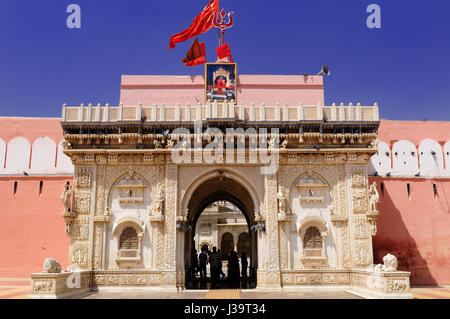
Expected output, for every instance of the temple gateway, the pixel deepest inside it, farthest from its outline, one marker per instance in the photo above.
(145, 170)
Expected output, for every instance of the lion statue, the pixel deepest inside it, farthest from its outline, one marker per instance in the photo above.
(51, 266)
(390, 264)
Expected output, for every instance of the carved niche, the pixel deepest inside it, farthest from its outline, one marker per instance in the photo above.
(361, 255)
(358, 178)
(82, 202)
(131, 190)
(313, 231)
(129, 235)
(359, 201)
(79, 255)
(80, 231)
(311, 189)
(359, 190)
(83, 178)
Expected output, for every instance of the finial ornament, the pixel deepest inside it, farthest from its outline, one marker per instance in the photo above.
(219, 22)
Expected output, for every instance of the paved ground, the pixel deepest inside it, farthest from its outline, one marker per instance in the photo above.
(139, 294)
(223, 294)
(299, 294)
(19, 288)
(431, 293)
(14, 288)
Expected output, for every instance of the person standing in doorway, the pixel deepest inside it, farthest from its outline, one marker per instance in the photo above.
(203, 260)
(233, 270)
(194, 264)
(244, 265)
(214, 262)
(221, 273)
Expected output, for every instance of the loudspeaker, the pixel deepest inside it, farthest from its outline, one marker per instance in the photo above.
(325, 71)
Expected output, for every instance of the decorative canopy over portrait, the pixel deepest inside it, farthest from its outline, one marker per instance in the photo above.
(220, 81)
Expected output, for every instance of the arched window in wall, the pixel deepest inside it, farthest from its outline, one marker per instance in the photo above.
(130, 245)
(129, 239)
(313, 233)
(312, 239)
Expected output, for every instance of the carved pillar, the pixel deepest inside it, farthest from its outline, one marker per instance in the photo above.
(361, 248)
(283, 224)
(271, 275)
(99, 227)
(81, 241)
(159, 226)
(102, 221)
(339, 216)
(92, 210)
(341, 225)
(183, 232)
(284, 218)
(169, 273)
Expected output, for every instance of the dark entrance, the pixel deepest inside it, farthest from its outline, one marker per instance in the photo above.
(225, 189)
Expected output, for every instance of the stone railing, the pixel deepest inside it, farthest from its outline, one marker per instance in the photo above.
(219, 111)
(60, 285)
(367, 284)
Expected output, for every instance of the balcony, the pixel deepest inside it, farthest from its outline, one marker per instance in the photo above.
(219, 112)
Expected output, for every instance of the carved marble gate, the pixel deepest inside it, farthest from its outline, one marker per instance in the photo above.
(311, 220)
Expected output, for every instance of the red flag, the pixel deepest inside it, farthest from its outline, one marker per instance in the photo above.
(196, 54)
(224, 52)
(202, 23)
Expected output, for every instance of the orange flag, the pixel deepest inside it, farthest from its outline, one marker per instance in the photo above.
(224, 52)
(202, 23)
(196, 54)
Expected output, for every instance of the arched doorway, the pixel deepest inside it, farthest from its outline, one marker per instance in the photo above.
(243, 244)
(226, 244)
(220, 187)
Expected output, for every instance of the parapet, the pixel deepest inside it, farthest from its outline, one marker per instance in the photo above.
(269, 114)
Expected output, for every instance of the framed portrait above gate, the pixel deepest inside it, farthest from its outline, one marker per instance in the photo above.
(221, 81)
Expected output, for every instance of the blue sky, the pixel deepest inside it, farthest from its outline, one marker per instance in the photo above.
(404, 66)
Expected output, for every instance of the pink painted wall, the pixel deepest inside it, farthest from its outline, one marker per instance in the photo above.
(32, 145)
(30, 128)
(31, 226)
(414, 131)
(415, 227)
(268, 89)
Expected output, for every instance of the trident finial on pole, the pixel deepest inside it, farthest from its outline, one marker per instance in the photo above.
(219, 22)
